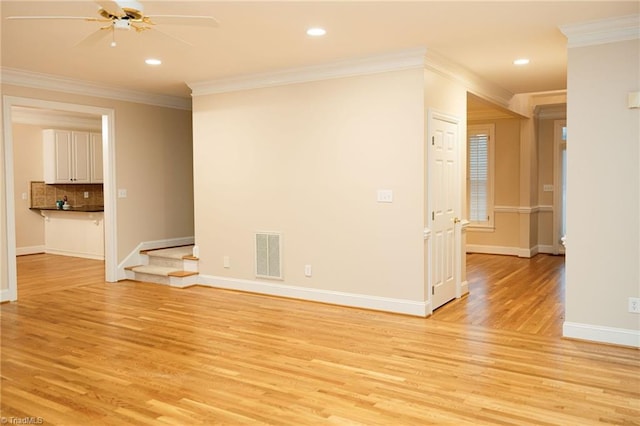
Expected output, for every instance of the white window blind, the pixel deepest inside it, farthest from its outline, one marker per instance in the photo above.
(479, 175)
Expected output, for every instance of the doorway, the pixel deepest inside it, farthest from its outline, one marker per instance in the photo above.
(106, 116)
(560, 185)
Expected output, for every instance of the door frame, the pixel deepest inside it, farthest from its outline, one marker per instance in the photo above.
(109, 167)
(558, 143)
(433, 114)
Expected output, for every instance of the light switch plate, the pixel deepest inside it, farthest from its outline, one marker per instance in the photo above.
(122, 193)
(385, 196)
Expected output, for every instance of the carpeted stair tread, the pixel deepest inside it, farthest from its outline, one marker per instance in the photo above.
(171, 253)
(155, 270)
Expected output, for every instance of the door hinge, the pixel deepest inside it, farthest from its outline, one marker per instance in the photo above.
(433, 140)
(433, 290)
(433, 215)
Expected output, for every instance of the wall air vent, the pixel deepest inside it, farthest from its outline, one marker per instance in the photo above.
(269, 255)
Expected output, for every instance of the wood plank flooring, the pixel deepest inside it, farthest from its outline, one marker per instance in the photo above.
(511, 293)
(135, 353)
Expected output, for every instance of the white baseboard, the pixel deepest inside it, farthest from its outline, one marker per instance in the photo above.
(509, 251)
(502, 250)
(545, 249)
(75, 254)
(602, 334)
(5, 295)
(464, 288)
(400, 306)
(134, 258)
(23, 251)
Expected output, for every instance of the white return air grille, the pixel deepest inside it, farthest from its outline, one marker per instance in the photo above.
(269, 255)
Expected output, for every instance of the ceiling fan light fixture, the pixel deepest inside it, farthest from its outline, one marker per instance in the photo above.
(122, 24)
(316, 32)
(521, 61)
(153, 61)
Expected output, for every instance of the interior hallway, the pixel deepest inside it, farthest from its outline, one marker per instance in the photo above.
(511, 293)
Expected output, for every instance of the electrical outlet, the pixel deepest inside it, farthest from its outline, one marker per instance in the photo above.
(307, 270)
(86, 194)
(634, 305)
(226, 262)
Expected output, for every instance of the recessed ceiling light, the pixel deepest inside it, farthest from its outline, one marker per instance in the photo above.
(152, 61)
(316, 32)
(521, 61)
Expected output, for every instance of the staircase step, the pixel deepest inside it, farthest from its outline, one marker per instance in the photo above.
(174, 266)
(181, 252)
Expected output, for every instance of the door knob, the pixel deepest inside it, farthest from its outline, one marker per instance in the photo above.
(456, 220)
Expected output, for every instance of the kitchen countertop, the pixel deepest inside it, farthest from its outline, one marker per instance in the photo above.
(89, 209)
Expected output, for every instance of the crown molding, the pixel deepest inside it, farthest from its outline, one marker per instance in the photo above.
(474, 84)
(23, 78)
(402, 60)
(54, 119)
(417, 58)
(611, 30)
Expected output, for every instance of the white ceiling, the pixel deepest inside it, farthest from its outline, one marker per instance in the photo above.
(256, 37)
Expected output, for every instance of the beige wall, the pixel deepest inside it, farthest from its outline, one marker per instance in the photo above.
(506, 186)
(603, 205)
(27, 166)
(545, 177)
(153, 162)
(306, 160)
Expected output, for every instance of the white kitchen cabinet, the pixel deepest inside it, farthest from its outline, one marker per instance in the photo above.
(71, 156)
(96, 158)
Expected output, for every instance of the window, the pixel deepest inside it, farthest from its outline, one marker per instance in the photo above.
(480, 175)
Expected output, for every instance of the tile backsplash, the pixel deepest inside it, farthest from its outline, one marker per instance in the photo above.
(44, 195)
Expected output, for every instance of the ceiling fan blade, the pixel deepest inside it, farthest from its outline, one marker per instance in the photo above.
(112, 7)
(93, 38)
(205, 21)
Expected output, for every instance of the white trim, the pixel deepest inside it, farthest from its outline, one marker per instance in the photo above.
(5, 295)
(603, 31)
(24, 251)
(545, 249)
(400, 306)
(601, 333)
(522, 209)
(55, 119)
(402, 60)
(135, 258)
(559, 146)
(468, 79)
(75, 254)
(502, 250)
(464, 288)
(510, 251)
(17, 77)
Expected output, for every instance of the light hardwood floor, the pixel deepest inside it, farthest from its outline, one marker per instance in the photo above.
(86, 352)
(511, 293)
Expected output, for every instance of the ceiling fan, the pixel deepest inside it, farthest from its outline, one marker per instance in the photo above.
(125, 15)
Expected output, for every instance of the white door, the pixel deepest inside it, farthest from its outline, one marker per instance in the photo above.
(444, 205)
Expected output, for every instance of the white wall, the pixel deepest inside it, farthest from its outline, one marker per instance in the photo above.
(306, 160)
(603, 249)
